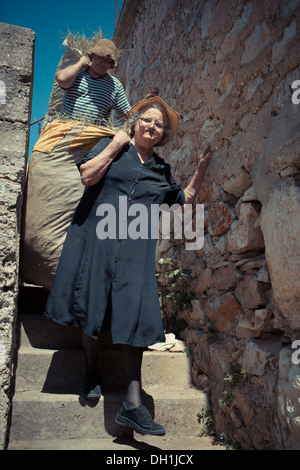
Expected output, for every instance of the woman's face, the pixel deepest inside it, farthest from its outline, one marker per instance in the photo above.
(150, 127)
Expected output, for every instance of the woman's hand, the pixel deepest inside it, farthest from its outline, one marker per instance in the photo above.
(120, 139)
(205, 156)
(193, 188)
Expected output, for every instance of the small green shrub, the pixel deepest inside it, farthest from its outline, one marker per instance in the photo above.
(175, 295)
(226, 399)
(236, 375)
(207, 421)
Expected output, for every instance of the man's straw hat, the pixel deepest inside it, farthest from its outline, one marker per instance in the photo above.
(104, 48)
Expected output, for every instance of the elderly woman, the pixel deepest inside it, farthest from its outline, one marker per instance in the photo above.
(114, 277)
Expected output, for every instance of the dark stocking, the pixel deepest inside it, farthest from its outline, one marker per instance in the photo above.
(90, 347)
(133, 362)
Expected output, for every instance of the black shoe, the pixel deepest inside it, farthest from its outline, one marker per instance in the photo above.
(90, 389)
(139, 419)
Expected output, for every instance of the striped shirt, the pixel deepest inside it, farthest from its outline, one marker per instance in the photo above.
(93, 99)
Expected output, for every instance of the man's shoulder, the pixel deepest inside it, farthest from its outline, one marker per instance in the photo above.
(108, 78)
(113, 79)
(82, 73)
(82, 76)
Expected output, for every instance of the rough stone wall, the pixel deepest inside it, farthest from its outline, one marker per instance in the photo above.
(228, 68)
(16, 78)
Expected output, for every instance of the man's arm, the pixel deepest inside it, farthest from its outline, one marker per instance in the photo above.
(65, 77)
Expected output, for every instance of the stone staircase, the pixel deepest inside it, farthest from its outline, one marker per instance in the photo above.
(47, 412)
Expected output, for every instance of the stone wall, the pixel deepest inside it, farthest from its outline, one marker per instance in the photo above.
(228, 68)
(16, 78)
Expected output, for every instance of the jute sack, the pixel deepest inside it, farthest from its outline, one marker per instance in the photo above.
(70, 56)
(53, 190)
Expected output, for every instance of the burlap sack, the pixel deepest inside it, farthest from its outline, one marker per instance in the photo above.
(70, 57)
(53, 186)
(53, 190)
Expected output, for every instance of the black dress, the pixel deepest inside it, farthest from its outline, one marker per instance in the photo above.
(116, 273)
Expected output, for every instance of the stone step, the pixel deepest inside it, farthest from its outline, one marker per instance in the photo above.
(32, 299)
(38, 331)
(42, 416)
(46, 407)
(35, 329)
(132, 442)
(53, 371)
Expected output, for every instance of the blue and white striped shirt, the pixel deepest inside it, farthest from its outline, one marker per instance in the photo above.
(94, 98)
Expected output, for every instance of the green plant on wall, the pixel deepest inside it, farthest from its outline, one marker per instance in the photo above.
(236, 375)
(225, 399)
(210, 330)
(174, 291)
(207, 421)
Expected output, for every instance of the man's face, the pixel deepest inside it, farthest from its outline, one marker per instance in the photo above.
(100, 65)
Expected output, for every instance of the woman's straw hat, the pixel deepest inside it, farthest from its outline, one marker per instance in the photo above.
(104, 48)
(173, 116)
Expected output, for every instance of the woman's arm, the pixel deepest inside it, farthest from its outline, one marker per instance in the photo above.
(193, 188)
(93, 170)
(65, 77)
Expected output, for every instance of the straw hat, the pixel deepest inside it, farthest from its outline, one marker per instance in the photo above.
(173, 116)
(104, 48)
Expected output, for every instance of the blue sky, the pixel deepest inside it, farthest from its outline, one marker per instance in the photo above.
(51, 21)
